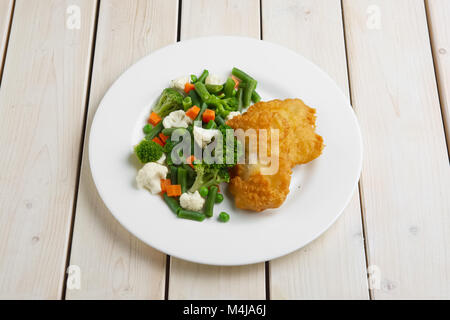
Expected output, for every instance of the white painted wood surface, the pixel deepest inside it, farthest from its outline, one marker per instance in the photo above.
(194, 281)
(42, 104)
(333, 266)
(439, 24)
(114, 264)
(6, 7)
(406, 176)
(405, 181)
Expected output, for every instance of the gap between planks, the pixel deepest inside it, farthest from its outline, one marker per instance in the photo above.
(80, 153)
(360, 185)
(8, 33)
(439, 85)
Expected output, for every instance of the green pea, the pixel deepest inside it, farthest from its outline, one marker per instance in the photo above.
(224, 217)
(219, 198)
(147, 128)
(204, 192)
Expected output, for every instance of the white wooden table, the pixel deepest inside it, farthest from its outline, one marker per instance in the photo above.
(57, 59)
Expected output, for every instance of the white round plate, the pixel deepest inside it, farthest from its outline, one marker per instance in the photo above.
(319, 191)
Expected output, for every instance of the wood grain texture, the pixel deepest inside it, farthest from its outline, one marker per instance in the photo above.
(42, 104)
(333, 266)
(6, 7)
(439, 26)
(220, 17)
(195, 281)
(115, 264)
(406, 176)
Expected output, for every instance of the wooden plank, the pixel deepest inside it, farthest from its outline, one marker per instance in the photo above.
(406, 176)
(6, 7)
(114, 264)
(333, 266)
(194, 281)
(42, 103)
(439, 23)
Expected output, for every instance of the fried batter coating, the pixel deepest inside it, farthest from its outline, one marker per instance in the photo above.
(296, 122)
(299, 144)
(257, 192)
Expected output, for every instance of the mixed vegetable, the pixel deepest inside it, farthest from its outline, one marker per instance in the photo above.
(196, 108)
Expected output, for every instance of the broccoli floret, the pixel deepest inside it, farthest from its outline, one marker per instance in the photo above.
(209, 175)
(148, 151)
(169, 101)
(216, 173)
(168, 150)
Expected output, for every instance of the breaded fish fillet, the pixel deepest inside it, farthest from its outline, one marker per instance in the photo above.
(257, 192)
(299, 144)
(296, 123)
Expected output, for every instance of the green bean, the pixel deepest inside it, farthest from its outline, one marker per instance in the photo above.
(211, 125)
(247, 98)
(182, 179)
(191, 215)
(219, 120)
(187, 103)
(155, 131)
(210, 201)
(241, 75)
(229, 87)
(194, 78)
(172, 203)
(195, 98)
(256, 97)
(240, 99)
(203, 77)
(200, 88)
(202, 110)
(173, 175)
(214, 88)
(190, 175)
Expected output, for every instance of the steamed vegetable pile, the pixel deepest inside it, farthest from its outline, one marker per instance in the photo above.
(197, 108)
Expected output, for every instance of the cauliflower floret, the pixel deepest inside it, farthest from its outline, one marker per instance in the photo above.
(150, 177)
(162, 159)
(192, 201)
(214, 80)
(177, 119)
(232, 114)
(204, 136)
(179, 83)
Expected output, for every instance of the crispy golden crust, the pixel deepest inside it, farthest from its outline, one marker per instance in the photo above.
(299, 144)
(296, 123)
(257, 192)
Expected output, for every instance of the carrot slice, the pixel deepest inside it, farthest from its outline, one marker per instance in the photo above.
(209, 115)
(163, 137)
(193, 112)
(188, 87)
(158, 141)
(174, 190)
(190, 160)
(154, 119)
(236, 81)
(164, 184)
